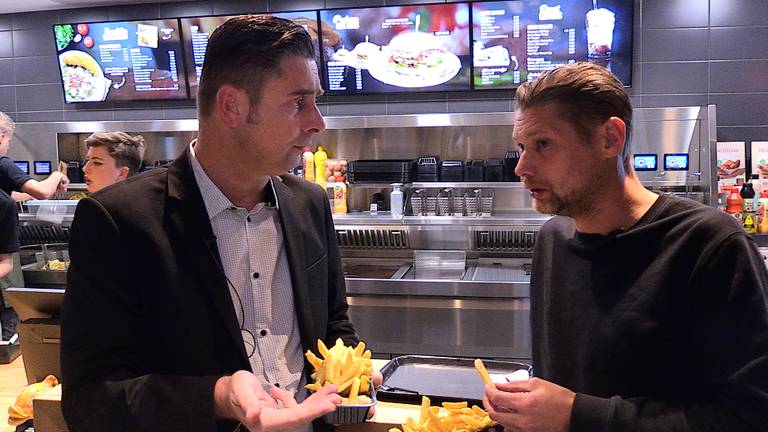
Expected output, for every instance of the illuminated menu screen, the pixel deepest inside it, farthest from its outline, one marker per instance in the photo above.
(128, 60)
(198, 30)
(515, 41)
(396, 49)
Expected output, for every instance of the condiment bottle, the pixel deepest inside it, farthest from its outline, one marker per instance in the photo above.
(396, 200)
(320, 157)
(339, 197)
(749, 223)
(308, 163)
(734, 204)
(748, 198)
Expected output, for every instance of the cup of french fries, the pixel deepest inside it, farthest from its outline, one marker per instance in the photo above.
(351, 370)
(452, 417)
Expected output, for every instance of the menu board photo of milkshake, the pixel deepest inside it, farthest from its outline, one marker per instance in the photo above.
(196, 32)
(128, 60)
(397, 49)
(515, 41)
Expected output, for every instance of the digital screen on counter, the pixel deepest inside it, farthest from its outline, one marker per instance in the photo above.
(42, 167)
(676, 161)
(396, 49)
(196, 32)
(23, 165)
(515, 41)
(119, 61)
(645, 162)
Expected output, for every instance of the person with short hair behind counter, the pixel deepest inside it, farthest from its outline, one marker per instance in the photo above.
(112, 157)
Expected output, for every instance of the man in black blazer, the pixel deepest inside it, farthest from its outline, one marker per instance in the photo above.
(155, 322)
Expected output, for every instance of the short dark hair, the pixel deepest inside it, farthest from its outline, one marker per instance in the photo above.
(585, 94)
(245, 51)
(127, 150)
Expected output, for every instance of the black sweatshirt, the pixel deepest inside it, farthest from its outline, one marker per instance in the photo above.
(662, 327)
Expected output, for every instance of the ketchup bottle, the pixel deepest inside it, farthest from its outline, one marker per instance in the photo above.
(735, 204)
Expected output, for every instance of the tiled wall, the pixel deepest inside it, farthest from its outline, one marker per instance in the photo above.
(687, 52)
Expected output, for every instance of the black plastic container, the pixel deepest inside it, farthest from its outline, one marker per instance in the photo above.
(510, 163)
(75, 172)
(494, 170)
(428, 169)
(474, 171)
(452, 171)
(380, 171)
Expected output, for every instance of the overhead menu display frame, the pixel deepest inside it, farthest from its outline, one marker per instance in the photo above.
(515, 41)
(197, 30)
(120, 60)
(393, 49)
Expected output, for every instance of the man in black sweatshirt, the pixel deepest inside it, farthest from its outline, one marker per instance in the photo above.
(649, 313)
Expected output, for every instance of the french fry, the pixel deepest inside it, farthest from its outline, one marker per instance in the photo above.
(348, 368)
(455, 417)
(483, 373)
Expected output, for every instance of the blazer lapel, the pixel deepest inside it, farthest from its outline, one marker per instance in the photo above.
(188, 225)
(291, 218)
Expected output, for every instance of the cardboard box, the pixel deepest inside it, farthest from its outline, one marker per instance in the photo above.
(40, 343)
(47, 411)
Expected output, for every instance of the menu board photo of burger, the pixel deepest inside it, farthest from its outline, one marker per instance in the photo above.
(516, 41)
(396, 48)
(197, 30)
(126, 60)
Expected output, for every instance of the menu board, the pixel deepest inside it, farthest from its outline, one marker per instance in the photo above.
(197, 31)
(515, 41)
(396, 48)
(124, 60)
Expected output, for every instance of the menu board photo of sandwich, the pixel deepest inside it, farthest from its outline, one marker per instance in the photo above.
(128, 60)
(198, 30)
(515, 41)
(396, 48)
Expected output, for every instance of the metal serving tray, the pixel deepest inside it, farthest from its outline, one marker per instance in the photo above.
(442, 379)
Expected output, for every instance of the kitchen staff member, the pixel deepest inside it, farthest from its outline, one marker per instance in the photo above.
(13, 179)
(648, 311)
(112, 157)
(194, 287)
(9, 244)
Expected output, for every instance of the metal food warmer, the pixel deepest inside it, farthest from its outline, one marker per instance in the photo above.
(452, 275)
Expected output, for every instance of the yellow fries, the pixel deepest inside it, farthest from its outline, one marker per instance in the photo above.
(454, 417)
(349, 368)
(483, 373)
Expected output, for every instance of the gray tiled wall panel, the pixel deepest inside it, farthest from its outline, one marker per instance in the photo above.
(139, 114)
(479, 106)
(39, 116)
(739, 76)
(651, 101)
(351, 3)
(356, 109)
(6, 22)
(675, 13)
(295, 5)
(417, 96)
(417, 108)
(234, 7)
(133, 12)
(731, 43)
(674, 78)
(36, 42)
(80, 15)
(741, 109)
(6, 44)
(179, 113)
(184, 9)
(34, 20)
(736, 133)
(7, 99)
(738, 12)
(45, 97)
(89, 115)
(674, 44)
(6, 72)
(36, 70)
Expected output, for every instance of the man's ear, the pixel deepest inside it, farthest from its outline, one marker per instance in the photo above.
(614, 136)
(232, 105)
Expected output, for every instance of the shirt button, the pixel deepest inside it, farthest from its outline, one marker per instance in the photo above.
(248, 218)
(263, 333)
(255, 275)
(277, 385)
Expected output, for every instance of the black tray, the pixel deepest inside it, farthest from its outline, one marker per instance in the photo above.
(442, 379)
